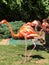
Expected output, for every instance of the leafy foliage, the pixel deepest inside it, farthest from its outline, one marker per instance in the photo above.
(25, 10)
(34, 9)
(12, 3)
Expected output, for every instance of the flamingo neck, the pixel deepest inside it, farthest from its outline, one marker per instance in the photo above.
(11, 31)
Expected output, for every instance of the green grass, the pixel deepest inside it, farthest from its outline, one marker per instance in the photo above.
(14, 55)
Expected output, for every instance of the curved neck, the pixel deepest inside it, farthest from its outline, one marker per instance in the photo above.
(10, 28)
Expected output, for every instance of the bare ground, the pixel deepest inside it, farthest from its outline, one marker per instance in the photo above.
(4, 42)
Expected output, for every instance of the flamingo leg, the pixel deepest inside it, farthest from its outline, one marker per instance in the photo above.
(32, 49)
(36, 28)
(25, 50)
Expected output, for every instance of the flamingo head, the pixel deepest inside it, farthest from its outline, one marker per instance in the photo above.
(3, 21)
(44, 20)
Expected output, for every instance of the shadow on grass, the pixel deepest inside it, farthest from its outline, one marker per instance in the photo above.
(38, 47)
(47, 47)
(35, 56)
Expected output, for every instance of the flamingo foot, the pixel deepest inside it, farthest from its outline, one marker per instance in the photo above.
(29, 57)
(24, 61)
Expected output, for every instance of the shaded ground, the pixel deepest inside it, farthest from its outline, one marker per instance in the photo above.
(29, 43)
(16, 41)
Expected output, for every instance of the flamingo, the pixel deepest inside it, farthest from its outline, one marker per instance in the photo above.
(45, 25)
(35, 24)
(26, 32)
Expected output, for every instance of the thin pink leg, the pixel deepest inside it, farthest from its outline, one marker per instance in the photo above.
(25, 49)
(32, 50)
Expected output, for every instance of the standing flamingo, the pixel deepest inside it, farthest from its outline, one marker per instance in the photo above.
(26, 31)
(36, 23)
(45, 25)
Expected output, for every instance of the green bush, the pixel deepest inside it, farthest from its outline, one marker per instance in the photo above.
(26, 10)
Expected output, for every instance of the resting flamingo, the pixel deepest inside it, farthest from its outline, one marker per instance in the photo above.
(26, 32)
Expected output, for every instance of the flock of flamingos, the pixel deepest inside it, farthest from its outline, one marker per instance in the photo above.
(29, 31)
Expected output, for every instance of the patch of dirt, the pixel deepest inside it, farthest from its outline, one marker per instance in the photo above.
(17, 62)
(42, 61)
(4, 42)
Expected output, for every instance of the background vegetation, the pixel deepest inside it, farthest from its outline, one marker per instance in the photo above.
(25, 10)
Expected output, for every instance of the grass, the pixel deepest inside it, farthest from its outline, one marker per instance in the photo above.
(14, 55)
